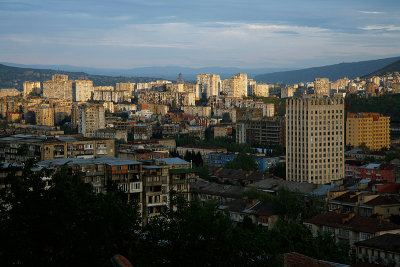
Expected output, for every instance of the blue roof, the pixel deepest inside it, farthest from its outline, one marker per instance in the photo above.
(112, 161)
(173, 161)
(322, 190)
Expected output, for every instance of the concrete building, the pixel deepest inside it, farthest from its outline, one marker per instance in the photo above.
(262, 90)
(32, 87)
(9, 93)
(45, 116)
(82, 90)
(173, 99)
(103, 93)
(314, 139)
(142, 131)
(50, 147)
(197, 111)
(209, 85)
(236, 87)
(268, 131)
(88, 118)
(287, 91)
(58, 88)
(371, 129)
(127, 90)
(321, 86)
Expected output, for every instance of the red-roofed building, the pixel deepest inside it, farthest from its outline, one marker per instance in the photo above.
(349, 227)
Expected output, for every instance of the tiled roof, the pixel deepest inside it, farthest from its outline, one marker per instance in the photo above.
(387, 242)
(295, 259)
(349, 197)
(382, 200)
(356, 223)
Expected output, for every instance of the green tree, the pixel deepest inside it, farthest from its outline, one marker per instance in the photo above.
(66, 224)
(242, 161)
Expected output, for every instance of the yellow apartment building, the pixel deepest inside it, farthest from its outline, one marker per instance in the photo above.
(372, 129)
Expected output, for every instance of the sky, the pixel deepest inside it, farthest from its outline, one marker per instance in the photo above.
(226, 33)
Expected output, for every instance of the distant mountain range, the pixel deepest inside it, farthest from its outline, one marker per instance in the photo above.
(333, 72)
(165, 72)
(14, 77)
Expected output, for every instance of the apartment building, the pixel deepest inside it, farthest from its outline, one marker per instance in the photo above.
(314, 139)
(45, 116)
(19, 148)
(82, 90)
(371, 129)
(235, 87)
(180, 175)
(155, 190)
(321, 86)
(103, 93)
(142, 131)
(287, 91)
(209, 85)
(59, 87)
(32, 87)
(267, 131)
(88, 118)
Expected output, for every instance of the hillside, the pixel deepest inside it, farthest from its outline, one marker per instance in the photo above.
(395, 66)
(14, 77)
(333, 72)
(388, 105)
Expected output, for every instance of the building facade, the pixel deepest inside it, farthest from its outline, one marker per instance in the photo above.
(371, 129)
(314, 139)
(88, 118)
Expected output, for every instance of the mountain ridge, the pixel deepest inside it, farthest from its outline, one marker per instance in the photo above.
(14, 77)
(333, 72)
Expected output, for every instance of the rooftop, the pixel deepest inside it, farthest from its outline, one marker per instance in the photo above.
(386, 242)
(352, 222)
(111, 161)
(172, 161)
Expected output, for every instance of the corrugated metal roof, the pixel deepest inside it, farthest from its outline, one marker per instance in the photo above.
(173, 161)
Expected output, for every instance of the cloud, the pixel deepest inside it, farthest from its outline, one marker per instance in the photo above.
(381, 28)
(371, 12)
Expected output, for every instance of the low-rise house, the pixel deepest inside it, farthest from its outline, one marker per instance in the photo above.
(349, 227)
(365, 204)
(384, 250)
(236, 176)
(260, 213)
(204, 191)
(380, 205)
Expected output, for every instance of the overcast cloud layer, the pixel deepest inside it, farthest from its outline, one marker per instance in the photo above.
(258, 33)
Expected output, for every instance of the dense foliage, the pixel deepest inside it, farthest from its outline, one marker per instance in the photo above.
(225, 142)
(66, 224)
(388, 105)
(242, 161)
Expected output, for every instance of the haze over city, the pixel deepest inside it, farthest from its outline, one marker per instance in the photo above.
(246, 34)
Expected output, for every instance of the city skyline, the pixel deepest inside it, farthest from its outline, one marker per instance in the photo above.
(255, 34)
